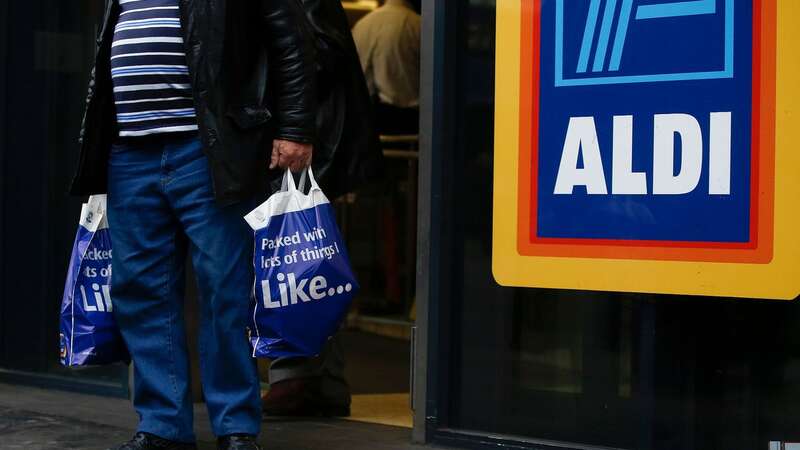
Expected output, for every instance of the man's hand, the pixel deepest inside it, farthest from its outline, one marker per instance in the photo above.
(290, 155)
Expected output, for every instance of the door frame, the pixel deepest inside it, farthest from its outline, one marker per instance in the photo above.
(4, 43)
(434, 141)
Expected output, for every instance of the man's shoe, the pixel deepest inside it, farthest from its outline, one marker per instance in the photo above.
(238, 442)
(147, 441)
(301, 398)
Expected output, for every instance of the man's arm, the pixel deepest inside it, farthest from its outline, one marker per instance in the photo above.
(292, 81)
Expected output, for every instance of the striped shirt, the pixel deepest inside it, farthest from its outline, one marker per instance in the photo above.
(152, 89)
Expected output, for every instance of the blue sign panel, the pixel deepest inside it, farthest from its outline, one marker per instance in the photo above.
(645, 125)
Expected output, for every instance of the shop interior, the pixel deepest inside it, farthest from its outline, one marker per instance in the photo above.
(379, 225)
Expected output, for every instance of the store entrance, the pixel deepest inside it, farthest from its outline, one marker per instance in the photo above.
(379, 225)
(378, 221)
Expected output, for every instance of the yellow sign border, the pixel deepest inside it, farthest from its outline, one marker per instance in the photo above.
(779, 279)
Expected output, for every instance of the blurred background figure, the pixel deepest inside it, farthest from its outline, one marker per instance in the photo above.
(347, 155)
(388, 42)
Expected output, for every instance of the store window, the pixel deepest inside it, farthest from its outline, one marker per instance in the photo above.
(589, 368)
(46, 52)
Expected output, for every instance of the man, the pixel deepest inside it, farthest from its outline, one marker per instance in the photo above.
(194, 108)
(388, 41)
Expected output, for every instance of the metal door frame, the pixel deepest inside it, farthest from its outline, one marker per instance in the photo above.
(435, 138)
(4, 43)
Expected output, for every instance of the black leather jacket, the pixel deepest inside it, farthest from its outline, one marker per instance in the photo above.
(254, 69)
(348, 152)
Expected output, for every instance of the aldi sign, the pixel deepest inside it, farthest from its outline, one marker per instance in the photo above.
(644, 129)
(642, 137)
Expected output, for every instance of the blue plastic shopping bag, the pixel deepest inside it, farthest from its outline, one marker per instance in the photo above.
(304, 283)
(89, 334)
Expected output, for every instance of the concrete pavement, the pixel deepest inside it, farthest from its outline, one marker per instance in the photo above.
(38, 419)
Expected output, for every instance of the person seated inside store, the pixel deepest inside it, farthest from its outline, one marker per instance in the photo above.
(388, 43)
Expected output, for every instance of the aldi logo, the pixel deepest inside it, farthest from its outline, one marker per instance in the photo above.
(641, 139)
(694, 41)
(642, 130)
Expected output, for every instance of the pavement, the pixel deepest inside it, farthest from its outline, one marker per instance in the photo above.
(39, 419)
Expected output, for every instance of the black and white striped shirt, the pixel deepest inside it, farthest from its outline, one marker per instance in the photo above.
(152, 89)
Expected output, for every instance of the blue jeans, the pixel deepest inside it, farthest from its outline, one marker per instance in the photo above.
(160, 206)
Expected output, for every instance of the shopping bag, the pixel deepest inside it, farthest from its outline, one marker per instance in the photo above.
(89, 334)
(303, 280)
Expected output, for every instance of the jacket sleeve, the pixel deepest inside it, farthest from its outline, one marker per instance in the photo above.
(292, 69)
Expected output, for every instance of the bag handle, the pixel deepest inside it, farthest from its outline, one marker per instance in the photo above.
(301, 185)
(288, 182)
(314, 184)
(307, 174)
